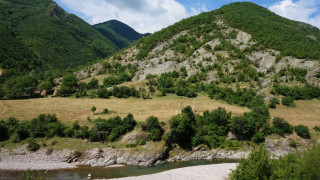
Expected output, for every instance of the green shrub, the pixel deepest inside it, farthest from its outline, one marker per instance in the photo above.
(293, 144)
(131, 145)
(93, 109)
(302, 131)
(75, 125)
(152, 123)
(103, 93)
(215, 141)
(165, 137)
(291, 166)
(22, 131)
(4, 135)
(154, 128)
(317, 129)
(69, 132)
(258, 137)
(69, 85)
(257, 166)
(105, 111)
(288, 101)
(142, 142)
(93, 84)
(232, 144)
(280, 126)
(274, 102)
(33, 145)
(155, 135)
(181, 127)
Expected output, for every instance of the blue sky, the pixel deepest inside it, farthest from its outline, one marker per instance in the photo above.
(153, 15)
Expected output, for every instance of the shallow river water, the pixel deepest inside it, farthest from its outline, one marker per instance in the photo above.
(111, 172)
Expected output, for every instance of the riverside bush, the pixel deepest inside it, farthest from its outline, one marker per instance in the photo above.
(292, 166)
(33, 145)
(4, 135)
(153, 127)
(111, 129)
(257, 166)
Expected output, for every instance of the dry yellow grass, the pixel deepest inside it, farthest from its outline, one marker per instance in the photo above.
(69, 110)
(306, 113)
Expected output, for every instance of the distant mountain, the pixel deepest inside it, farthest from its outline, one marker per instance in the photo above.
(119, 33)
(38, 35)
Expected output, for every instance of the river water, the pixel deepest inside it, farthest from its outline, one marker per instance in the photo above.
(81, 173)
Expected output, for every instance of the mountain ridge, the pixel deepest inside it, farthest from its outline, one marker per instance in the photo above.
(208, 49)
(120, 33)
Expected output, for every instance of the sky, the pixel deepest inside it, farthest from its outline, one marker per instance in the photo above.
(153, 15)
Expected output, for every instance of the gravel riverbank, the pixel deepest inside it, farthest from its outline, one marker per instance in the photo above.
(21, 159)
(205, 172)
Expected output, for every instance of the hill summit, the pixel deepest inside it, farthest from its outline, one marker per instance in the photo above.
(119, 33)
(241, 50)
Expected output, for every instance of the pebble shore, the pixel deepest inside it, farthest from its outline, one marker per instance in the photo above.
(205, 172)
(22, 159)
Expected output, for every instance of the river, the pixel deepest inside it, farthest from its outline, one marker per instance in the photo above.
(81, 173)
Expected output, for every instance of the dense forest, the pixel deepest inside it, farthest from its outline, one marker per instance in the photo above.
(42, 33)
(40, 41)
(119, 33)
(291, 38)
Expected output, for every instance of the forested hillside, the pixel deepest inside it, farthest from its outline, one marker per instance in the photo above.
(40, 41)
(268, 29)
(119, 33)
(39, 34)
(291, 38)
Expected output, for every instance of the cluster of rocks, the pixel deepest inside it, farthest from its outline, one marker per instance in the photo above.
(280, 145)
(109, 156)
(202, 153)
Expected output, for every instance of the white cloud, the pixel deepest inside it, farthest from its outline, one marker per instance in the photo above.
(198, 9)
(302, 10)
(142, 15)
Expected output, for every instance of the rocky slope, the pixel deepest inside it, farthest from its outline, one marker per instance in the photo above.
(221, 52)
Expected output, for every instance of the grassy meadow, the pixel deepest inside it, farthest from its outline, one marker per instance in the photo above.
(69, 110)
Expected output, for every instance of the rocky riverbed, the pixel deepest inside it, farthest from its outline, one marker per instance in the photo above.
(146, 155)
(43, 159)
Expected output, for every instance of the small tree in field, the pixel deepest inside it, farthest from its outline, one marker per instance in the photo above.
(93, 109)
